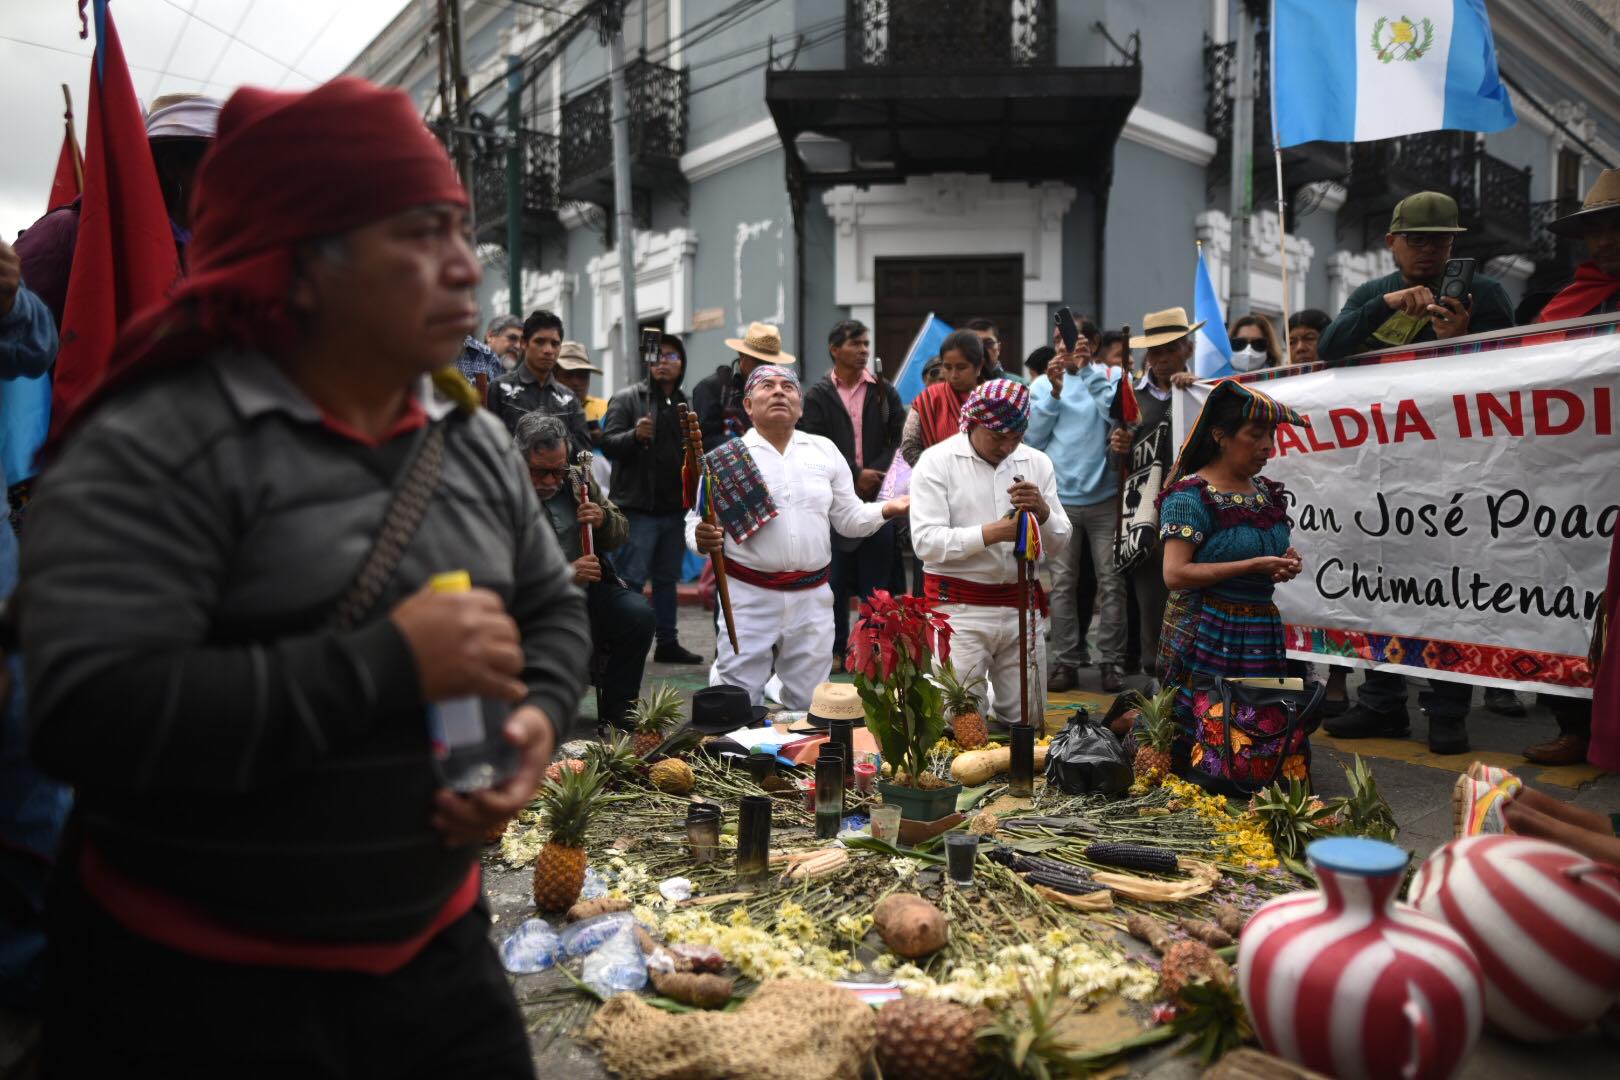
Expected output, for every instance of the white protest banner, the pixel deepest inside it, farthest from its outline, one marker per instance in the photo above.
(1454, 504)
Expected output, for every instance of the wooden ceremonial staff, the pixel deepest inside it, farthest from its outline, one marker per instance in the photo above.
(699, 471)
(1023, 618)
(587, 538)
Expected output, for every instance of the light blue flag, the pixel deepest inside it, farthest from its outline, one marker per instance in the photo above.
(924, 347)
(1358, 70)
(1212, 349)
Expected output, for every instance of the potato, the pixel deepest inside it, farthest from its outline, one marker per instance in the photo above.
(589, 909)
(910, 926)
(981, 766)
(699, 991)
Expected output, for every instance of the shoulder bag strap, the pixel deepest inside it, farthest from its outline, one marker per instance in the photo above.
(419, 479)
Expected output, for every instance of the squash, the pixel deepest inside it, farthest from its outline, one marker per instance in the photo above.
(980, 766)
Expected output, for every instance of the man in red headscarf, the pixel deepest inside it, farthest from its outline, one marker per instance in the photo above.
(233, 652)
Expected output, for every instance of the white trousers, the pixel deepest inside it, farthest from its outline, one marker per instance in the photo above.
(984, 641)
(798, 625)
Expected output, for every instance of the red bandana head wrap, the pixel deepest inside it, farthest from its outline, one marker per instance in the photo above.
(286, 168)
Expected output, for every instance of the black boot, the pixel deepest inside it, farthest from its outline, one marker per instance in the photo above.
(1448, 736)
(672, 652)
(1362, 723)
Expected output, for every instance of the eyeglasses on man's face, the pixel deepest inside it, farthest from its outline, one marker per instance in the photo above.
(1426, 241)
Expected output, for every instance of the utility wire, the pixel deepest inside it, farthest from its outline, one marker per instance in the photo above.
(91, 56)
(174, 45)
(240, 19)
(245, 44)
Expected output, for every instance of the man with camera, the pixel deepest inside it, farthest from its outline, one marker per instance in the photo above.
(1419, 301)
(1429, 297)
(1069, 421)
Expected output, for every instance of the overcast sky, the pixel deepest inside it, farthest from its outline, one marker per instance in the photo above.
(207, 46)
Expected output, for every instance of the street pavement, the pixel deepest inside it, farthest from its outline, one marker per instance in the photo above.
(1416, 783)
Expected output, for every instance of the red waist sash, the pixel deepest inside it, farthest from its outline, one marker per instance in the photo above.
(950, 590)
(781, 581)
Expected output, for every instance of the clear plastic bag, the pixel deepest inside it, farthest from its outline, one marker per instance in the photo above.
(533, 946)
(595, 887)
(616, 965)
(585, 936)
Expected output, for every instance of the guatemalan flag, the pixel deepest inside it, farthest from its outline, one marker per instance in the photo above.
(1212, 349)
(1357, 70)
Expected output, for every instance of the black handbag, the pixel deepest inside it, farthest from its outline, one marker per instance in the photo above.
(1248, 735)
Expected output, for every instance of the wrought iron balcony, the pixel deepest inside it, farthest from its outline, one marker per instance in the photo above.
(1493, 197)
(656, 96)
(1555, 256)
(1302, 164)
(945, 35)
(539, 183)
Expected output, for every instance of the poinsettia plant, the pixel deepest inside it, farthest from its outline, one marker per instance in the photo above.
(892, 652)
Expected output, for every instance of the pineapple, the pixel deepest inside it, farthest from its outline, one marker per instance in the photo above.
(928, 1040)
(554, 771)
(1027, 1041)
(614, 758)
(1156, 728)
(1294, 817)
(1187, 962)
(559, 870)
(654, 715)
(962, 702)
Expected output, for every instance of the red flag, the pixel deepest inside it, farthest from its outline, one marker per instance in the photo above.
(1130, 410)
(125, 259)
(69, 181)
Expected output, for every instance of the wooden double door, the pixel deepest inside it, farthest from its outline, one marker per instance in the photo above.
(955, 289)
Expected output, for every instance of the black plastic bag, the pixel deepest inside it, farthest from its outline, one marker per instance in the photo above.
(1086, 758)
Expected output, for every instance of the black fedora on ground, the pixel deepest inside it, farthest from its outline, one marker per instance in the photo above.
(720, 710)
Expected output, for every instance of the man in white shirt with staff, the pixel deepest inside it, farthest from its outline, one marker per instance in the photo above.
(776, 491)
(964, 494)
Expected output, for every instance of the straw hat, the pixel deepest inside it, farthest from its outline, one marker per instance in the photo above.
(1163, 327)
(1604, 198)
(571, 356)
(831, 701)
(763, 342)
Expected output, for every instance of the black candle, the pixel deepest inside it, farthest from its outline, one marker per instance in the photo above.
(832, 751)
(841, 733)
(760, 765)
(1022, 782)
(703, 831)
(829, 796)
(753, 837)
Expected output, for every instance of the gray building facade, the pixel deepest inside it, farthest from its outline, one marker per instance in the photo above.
(804, 161)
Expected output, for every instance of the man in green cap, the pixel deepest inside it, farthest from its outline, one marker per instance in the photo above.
(1400, 309)
(1404, 307)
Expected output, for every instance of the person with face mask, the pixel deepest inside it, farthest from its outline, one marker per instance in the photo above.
(1254, 344)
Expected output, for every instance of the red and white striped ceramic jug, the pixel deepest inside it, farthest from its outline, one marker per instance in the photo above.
(1349, 982)
(1544, 922)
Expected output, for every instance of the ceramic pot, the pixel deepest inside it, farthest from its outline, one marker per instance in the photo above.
(1543, 921)
(1348, 982)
